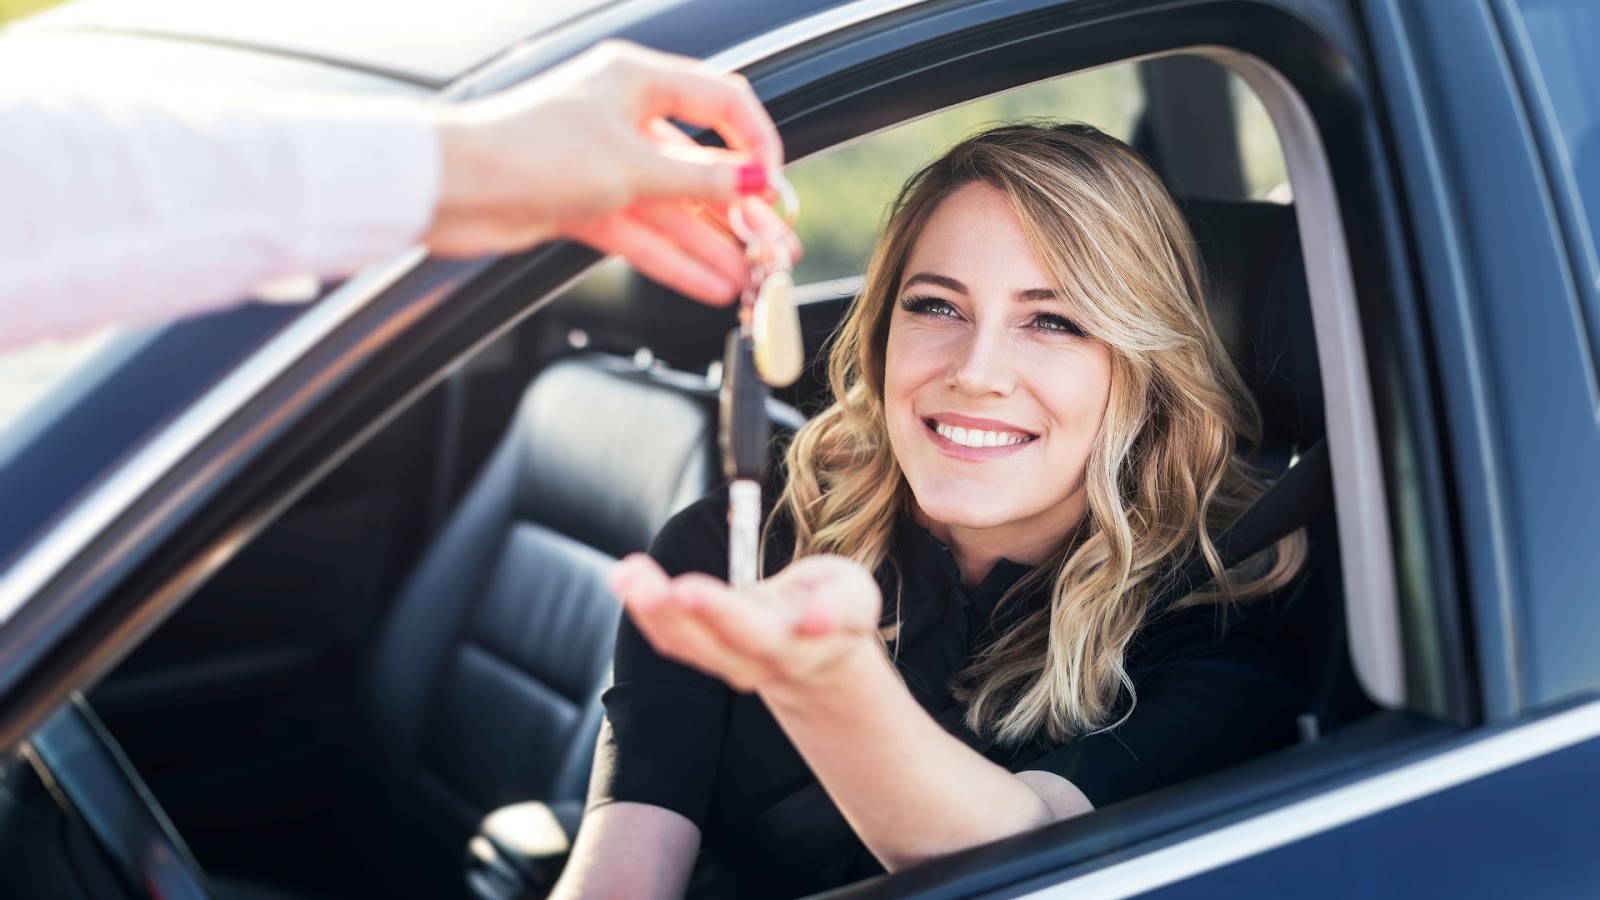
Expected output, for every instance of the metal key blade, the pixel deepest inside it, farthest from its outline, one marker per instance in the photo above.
(742, 434)
(744, 532)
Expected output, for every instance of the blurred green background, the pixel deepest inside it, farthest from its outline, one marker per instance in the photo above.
(11, 10)
(860, 180)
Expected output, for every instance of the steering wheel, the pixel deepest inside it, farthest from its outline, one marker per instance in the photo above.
(90, 776)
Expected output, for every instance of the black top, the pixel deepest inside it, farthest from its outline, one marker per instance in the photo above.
(1208, 696)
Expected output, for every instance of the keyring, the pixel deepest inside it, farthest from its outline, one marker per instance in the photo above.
(788, 200)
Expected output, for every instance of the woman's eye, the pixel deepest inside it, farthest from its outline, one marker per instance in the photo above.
(1052, 322)
(928, 306)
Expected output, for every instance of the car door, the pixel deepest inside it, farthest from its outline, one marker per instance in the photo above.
(1483, 110)
(1382, 263)
(1440, 812)
(1386, 799)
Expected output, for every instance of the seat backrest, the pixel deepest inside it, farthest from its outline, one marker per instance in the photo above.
(484, 685)
(1260, 306)
(1260, 303)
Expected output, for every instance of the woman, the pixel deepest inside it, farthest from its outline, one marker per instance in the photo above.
(1033, 422)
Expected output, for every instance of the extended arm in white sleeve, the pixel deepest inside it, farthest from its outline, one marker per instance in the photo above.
(126, 210)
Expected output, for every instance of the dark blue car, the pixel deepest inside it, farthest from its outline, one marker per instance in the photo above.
(304, 600)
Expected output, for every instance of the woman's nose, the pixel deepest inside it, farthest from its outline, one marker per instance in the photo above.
(983, 364)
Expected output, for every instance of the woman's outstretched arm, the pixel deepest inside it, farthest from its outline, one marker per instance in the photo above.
(806, 642)
(630, 850)
(910, 789)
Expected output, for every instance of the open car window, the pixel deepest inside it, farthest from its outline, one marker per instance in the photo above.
(848, 189)
(1275, 191)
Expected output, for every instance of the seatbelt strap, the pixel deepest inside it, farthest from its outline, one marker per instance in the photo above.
(1301, 496)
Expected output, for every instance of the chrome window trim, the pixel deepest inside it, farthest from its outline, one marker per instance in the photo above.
(1338, 807)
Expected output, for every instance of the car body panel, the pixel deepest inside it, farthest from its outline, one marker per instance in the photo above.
(1445, 825)
(1544, 42)
(1445, 845)
(1516, 376)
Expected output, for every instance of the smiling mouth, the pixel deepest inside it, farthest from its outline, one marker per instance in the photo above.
(975, 437)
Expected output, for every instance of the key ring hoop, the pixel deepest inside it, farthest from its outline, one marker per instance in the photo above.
(789, 211)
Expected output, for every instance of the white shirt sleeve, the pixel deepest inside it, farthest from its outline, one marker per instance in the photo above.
(127, 210)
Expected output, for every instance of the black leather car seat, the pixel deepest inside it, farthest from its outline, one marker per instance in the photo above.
(1260, 304)
(484, 686)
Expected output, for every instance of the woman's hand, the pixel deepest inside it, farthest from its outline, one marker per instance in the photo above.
(806, 641)
(793, 632)
(587, 151)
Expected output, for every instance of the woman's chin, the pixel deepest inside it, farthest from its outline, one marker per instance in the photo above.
(970, 516)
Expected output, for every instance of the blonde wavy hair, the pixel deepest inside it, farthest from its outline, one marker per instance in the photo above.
(1162, 478)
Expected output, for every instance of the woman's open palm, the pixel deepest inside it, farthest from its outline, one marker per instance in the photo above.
(787, 632)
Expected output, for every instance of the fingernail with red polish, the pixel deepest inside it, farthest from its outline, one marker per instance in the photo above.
(752, 178)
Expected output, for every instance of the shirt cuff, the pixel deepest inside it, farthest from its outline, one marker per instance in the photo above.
(375, 185)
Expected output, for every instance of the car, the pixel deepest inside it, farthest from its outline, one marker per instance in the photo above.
(274, 582)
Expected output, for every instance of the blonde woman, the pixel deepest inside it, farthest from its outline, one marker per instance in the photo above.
(1033, 422)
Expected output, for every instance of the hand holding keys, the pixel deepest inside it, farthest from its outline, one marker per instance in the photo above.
(765, 349)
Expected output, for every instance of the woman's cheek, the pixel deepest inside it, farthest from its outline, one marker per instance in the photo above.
(918, 354)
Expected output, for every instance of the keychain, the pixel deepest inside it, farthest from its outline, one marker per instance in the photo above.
(764, 350)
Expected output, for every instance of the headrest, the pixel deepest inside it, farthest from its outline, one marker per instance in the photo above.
(1261, 307)
(620, 311)
(612, 451)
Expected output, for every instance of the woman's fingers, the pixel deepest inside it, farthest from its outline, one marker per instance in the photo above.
(659, 257)
(760, 218)
(693, 233)
(685, 89)
(756, 630)
(829, 589)
(637, 579)
(786, 630)
(581, 144)
(756, 207)
(688, 630)
(682, 635)
(730, 634)
(671, 170)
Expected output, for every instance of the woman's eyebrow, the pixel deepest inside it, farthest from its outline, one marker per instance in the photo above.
(945, 281)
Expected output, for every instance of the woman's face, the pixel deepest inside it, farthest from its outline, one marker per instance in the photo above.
(993, 395)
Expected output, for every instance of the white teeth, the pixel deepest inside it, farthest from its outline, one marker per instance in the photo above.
(973, 437)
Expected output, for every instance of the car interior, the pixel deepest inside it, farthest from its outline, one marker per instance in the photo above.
(395, 686)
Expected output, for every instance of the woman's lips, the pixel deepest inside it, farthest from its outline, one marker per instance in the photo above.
(964, 437)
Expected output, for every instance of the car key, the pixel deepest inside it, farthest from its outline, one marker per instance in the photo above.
(763, 349)
(743, 434)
